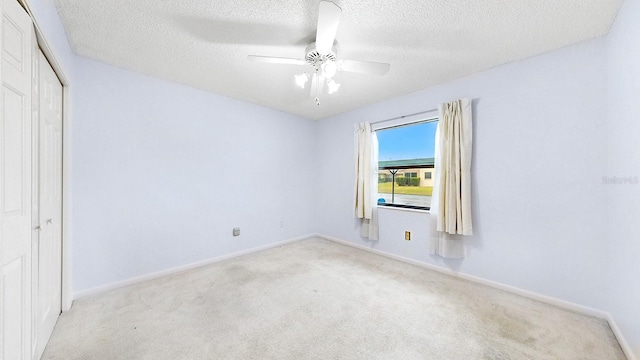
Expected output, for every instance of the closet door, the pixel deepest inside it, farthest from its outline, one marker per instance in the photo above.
(16, 34)
(48, 257)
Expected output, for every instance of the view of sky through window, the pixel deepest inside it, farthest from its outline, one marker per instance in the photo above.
(407, 142)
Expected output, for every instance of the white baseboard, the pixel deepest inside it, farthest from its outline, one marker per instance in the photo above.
(529, 294)
(157, 274)
(628, 351)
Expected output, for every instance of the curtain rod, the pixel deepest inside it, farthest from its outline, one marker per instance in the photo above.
(404, 116)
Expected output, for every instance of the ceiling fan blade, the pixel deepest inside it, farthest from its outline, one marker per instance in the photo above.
(363, 67)
(328, 20)
(275, 60)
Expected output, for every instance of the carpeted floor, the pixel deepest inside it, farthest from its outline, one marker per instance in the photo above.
(316, 299)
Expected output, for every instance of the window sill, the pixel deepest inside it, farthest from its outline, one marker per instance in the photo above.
(403, 209)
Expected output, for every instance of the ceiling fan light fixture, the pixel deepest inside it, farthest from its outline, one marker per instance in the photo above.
(321, 56)
(332, 86)
(329, 69)
(301, 79)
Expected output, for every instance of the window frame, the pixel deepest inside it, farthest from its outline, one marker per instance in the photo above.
(429, 117)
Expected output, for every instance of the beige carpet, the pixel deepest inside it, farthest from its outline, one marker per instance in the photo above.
(315, 299)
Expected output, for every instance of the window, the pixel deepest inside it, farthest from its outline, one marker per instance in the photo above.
(405, 152)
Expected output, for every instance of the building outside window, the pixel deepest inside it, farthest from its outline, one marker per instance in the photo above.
(405, 164)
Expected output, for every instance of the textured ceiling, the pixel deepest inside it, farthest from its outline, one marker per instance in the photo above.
(205, 43)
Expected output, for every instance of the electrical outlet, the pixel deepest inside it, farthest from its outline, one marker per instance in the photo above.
(281, 224)
(407, 235)
(236, 231)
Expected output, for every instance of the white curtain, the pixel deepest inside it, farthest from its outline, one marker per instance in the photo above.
(366, 185)
(451, 200)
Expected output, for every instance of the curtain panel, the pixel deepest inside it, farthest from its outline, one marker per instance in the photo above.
(366, 180)
(451, 200)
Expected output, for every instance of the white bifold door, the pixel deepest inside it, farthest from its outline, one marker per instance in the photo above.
(47, 220)
(30, 189)
(16, 35)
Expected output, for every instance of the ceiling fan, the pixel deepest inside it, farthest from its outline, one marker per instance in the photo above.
(322, 56)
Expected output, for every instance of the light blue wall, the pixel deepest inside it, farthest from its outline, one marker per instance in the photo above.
(162, 173)
(623, 145)
(538, 200)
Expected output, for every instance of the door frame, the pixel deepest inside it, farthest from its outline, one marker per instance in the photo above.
(49, 53)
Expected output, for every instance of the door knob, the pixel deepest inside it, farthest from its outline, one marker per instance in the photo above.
(49, 221)
(38, 228)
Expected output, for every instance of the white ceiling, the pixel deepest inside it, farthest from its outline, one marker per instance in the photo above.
(205, 43)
